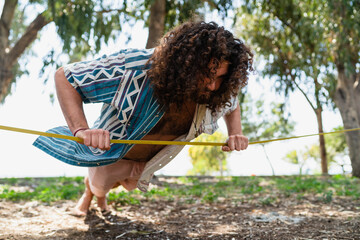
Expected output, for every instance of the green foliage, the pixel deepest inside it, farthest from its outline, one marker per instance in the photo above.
(123, 198)
(17, 27)
(180, 11)
(298, 158)
(292, 157)
(336, 148)
(327, 197)
(299, 40)
(208, 159)
(259, 123)
(45, 189)
(343, 32)
(262, 191)
(262, 121)
(306, 44)
(84, 25)
(301, 185)
(327, 188)
(267, 201)
(301, 157)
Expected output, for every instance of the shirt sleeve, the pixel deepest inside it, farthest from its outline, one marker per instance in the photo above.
(97, 80)
(209, 124)
(234, 103)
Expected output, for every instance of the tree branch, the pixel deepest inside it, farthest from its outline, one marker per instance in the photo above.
(296, 32)
(306, 97)
(8, 13)
(110, 10)
(212, 4)
(7, 16)
(288, 25)
(27, 38)
(293, 78)
(156, 23)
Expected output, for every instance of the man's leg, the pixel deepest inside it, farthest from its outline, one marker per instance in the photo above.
(84, 202)
(102, 179)
(102, 203)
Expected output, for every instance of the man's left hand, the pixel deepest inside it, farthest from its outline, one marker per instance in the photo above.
(236, 142)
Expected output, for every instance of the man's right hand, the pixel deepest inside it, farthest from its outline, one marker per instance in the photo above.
(96, 138)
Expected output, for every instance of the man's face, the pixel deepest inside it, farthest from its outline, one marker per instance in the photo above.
(208, 86)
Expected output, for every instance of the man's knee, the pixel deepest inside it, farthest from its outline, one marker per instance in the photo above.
(98, 187)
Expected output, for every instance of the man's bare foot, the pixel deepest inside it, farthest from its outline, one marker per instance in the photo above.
(84, 202)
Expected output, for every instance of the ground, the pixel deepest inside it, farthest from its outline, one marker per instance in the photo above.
(163, 218)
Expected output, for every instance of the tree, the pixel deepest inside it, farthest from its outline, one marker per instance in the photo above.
(208, 159)
(337, 150)
(259, 124)
(312, 46)
(344, 37)
(297, 158)
(84, 24)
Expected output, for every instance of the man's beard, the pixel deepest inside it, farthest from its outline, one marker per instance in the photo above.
(203, 96)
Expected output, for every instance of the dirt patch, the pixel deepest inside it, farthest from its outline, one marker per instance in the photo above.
(289, 218)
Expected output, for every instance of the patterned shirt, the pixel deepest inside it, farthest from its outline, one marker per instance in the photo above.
(129, 111)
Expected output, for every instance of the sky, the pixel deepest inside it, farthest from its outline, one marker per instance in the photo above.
(29, 107)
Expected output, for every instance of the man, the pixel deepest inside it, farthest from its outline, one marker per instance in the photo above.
(173, 92)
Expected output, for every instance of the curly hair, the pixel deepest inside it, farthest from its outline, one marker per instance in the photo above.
(182, 60)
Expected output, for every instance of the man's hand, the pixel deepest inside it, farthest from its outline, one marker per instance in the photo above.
(96, 138)
(236, 142)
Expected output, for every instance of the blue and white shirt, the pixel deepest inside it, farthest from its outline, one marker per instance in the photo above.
(129, 111)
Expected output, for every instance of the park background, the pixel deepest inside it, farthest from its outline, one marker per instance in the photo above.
(30, 106)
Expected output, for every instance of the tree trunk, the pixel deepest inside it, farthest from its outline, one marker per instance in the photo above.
(156, 23)
(324, 164)
(6, 75)
(347, 100)
(8, 55)
(6, 78)
(7, 16)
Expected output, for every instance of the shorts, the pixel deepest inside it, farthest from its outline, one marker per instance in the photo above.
(123, 172)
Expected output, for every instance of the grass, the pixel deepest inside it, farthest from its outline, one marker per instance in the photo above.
(263, 190)
(41, 189)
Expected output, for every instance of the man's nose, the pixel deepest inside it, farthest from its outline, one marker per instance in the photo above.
(211, 86)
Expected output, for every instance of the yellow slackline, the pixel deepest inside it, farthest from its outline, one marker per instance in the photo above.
(155, 142)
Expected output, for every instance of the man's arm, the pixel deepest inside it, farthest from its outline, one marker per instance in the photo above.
(72, 107)
(236, 141)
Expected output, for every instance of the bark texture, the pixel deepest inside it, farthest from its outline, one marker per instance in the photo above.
(10, 54)
(347, 100)
(7, 16)
(323, 155)
(156, 23)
